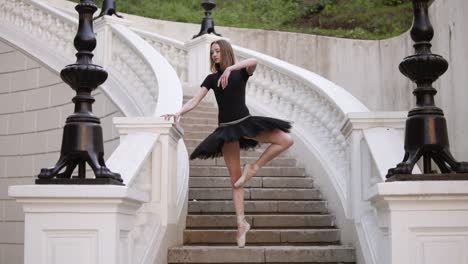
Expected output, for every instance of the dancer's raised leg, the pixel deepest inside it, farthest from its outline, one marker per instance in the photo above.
(231, 153)
(280, 141)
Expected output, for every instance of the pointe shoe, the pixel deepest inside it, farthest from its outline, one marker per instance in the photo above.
(242, 233)
(247, 173)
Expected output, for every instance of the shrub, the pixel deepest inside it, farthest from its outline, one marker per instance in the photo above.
(393, 2)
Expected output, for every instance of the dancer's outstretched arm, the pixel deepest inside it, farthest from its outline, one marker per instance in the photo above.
(248, 64)
(189, 105)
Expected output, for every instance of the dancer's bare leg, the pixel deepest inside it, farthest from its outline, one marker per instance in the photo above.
(280, 141)
(231, 153)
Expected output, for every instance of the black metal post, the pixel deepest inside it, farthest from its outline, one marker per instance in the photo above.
(82, 135)
(426, 129)
(207, 24)
(108, 9)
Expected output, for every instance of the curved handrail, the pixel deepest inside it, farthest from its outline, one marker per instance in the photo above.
(171, 49)
(163, 85)
(140, 83)
(31, 25)
(341, 98)
(141, 79)
(157, 165)
(317, 106)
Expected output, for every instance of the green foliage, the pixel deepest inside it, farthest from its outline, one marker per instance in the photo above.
(318, 6)
(393, 2)
(363, 19)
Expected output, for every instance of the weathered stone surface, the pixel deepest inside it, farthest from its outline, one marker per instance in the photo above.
(262, 221)
(216, 254)
(308, 254)
(262, 236)
(259, 206)
(278, 161)
(254, 194)
(287, 182)
(261, 254)
(220, 182)
(255, 182)
(265, 171)
(292, 220)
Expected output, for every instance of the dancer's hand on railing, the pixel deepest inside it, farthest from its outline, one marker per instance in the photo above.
(176, 117)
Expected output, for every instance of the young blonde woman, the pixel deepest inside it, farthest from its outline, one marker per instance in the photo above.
(237, 128)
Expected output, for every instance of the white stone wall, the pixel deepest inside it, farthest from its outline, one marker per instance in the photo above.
(367, 69)
(451, 37)
(34, 103)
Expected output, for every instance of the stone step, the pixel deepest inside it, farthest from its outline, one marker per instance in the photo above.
(278, 161)
(254, 194)
(199, 121)
(282, 160)
(272, 207)
(196, 135)
(191, 143)
(262, 254)
(199, 128)
(256, 182)
(262, 236)
(260, 221)
(206, 171)
(202, 103)
(206, 108)
(201, 114)
(253, 153)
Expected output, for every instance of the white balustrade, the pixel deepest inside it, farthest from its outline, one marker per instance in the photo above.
(154, 164)
(289, 92)
(138, 74)
(160, 169)
(171, 49)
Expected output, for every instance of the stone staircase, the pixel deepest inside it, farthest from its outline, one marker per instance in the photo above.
(290, 222)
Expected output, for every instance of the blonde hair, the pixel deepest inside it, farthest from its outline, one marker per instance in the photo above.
(227, 55)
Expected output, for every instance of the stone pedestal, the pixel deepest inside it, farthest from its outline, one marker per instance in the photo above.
(198, 61)
(426, 222)
(77, 224)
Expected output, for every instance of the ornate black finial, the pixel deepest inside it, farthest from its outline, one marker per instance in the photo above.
(207, 25)
(82, 135)
(108, 9)
(426, 133)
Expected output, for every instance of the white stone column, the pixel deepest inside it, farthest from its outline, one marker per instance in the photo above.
(169, 181)
(360, 130)
(427, 222)
(198, 61)
(103, 51)
(164, 160)
(77, 224)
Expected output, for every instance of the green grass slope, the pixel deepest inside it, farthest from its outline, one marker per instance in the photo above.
(361, 19)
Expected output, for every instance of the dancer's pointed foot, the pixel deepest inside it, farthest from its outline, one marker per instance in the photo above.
(242, 228)
(247, 173)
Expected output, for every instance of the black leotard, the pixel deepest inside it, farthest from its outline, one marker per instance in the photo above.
(231, 100)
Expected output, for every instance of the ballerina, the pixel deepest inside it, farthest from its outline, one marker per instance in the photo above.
(237, 128)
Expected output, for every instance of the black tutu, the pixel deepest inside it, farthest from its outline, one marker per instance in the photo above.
(212, 146)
